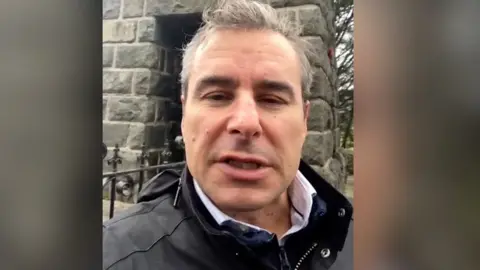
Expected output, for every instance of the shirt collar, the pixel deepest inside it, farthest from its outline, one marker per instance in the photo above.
(301, 194)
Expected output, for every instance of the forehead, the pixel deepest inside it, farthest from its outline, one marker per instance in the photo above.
(256, 53)
(247, 41)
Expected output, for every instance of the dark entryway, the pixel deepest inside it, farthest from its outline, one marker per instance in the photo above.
(173, 33)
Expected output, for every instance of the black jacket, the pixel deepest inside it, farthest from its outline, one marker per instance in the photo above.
(155, 234)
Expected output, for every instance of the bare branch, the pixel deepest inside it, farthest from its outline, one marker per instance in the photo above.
(345, 64)
(344, 16)
(346, 83)
(343, 28)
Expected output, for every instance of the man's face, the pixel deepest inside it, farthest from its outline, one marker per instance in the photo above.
(244, 122)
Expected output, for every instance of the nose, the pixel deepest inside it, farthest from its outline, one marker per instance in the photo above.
(244, 120)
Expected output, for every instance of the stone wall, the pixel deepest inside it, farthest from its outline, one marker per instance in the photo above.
(140, 67)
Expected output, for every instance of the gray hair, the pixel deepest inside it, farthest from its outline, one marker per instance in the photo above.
(248, 14)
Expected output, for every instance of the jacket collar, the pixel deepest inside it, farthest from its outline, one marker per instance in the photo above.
(335, 223)
(301, 194)
(340, 210)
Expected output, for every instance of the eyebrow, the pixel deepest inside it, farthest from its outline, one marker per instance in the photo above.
(231, 83)
(276, 86)
(214, 80)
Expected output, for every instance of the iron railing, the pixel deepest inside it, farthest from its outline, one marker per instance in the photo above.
(122, 181)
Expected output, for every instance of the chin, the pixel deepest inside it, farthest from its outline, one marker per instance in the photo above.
(243, 201)
(230, 195)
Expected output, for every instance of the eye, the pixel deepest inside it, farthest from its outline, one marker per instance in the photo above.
(217, 96)
(272, 100)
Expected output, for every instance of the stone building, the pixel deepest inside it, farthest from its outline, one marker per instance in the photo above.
(141, 62)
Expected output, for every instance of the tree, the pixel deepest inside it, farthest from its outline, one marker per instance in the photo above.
(344, 24)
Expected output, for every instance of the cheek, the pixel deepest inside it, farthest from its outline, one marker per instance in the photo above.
(286, 134)
(189, 129)
(294, 141)
(294, 126)
(197, 130)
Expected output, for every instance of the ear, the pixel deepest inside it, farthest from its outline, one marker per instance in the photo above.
(306, 111)
(306, 114)
(182, 99)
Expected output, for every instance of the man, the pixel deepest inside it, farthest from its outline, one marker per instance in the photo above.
(245, 200)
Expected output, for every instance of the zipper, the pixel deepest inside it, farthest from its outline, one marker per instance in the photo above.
(284, 264)
(302, 259)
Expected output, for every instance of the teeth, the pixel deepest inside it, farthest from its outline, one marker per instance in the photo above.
(244, 165)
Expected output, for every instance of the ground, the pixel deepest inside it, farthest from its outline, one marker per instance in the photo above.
(119, 206)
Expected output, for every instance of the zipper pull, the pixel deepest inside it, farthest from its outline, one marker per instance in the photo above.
(284, 264)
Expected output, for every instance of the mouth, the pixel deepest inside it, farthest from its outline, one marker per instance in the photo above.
(244, 167)
(245, 163)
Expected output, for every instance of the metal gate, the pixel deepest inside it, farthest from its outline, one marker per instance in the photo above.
(124, 181)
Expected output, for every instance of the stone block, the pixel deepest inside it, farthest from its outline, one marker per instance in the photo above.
(349, 156)
(119, 82)
(166, 7)
(330, 18)
(274, 3)
(104, 107)
(151, 82)
(138, 56)
(337, 136)
(291, 13)
(336, 118)
(312, 20)
(320, 59)
(321, 117)
(335, 95)
(107, 55)
(317, 169)
(132, 8)
(146, 30)
(328, 12)
(318, 147)
(134, 109)
(332, 173)
(142, 82)
(115, 133)
(336, 168)
(111, 9)
(136, 136)
(128, 157)
(326, 174)
(321, 87)
(320, 54)
(323, 4)
(115, 31)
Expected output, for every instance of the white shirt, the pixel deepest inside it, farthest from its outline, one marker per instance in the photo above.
(301, 194)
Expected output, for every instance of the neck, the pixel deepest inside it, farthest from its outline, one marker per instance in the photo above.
(275, 217)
